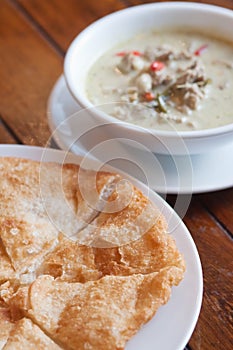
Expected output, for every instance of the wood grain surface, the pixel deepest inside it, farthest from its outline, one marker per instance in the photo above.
(216, 252)
(34, 36)
(30, 66)
(222, 3)
(6, 136)
(62, 20)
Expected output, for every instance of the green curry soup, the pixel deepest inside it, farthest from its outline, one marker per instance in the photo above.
(173, 79)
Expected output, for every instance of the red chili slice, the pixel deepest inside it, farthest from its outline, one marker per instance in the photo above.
(136, 53)
(200, 50)
(121, 53)
(157, 65)
(149, 96)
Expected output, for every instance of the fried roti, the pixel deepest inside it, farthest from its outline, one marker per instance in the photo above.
(71, 262)
(39, 200)
(102, 314)
(127, 216)
(6, 270)
(27, 336)
(85, 258)
(5, 325)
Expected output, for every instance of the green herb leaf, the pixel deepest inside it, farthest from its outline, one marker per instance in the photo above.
(161, 104)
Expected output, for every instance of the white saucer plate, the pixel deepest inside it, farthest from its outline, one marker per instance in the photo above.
(174, 323)
(73, 129)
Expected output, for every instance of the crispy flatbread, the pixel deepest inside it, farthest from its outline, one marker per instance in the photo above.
(39, 200)
(5, 325)
(102, 314)
(6, 270)
(7, 290)
(85, 258)
(79, 195)
(71, 262)
(27, 336)
(154, 251)
(128, 215)
(27, 242)
(26, 300)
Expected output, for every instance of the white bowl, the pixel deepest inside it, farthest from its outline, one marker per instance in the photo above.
(113, 29)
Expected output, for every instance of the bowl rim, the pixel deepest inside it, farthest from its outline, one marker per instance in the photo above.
(85, 102)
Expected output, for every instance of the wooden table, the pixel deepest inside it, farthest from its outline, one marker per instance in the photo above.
(34, 36)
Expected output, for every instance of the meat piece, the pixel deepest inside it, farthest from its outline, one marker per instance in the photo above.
(192, 96)
(131, 62)
(183, 55)
(159, 53)
(192, 100)
(144, 82)
(166, 53)
(187, 94)
(192, 74)
(164, 77)
(188, 90)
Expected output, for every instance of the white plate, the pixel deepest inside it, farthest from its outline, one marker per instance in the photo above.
(75, 130)
(174, 323)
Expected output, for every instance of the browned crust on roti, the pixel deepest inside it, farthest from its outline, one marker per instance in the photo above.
(6, 325)
(25, 335)
(6, 270)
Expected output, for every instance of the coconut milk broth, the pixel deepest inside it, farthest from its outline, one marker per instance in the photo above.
(105, 83)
